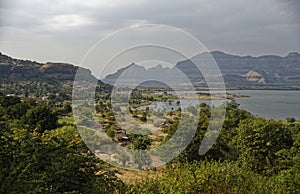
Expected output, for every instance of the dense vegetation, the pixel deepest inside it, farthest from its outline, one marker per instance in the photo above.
(39, 154)
(251, 155)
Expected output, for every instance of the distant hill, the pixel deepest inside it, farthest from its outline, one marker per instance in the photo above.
(24, 77)
(239, 72)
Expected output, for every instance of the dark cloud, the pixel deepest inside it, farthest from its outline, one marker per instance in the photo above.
(70, 26)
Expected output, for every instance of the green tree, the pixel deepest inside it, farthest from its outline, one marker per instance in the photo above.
(110, 133)
(141, 143)
(290, 119)
(7, 101)
(259, 140)
(140, 157)
(143, 118)
(56, 161)
(41, 118)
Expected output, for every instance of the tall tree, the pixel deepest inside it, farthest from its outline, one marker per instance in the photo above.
(41, 118)
(259, 140)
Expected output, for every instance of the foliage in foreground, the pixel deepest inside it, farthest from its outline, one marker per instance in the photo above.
(216, 177)
(37, 157)
(251, 155)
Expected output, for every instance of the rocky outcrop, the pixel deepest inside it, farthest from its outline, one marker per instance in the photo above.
(61, 71)
(24, 69)
(255, 76)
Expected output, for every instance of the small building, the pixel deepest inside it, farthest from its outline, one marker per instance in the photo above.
(121, 137)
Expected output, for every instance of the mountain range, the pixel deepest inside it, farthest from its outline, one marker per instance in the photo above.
(238, 72)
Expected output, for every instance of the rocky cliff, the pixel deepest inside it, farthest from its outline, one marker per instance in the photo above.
(24, 76)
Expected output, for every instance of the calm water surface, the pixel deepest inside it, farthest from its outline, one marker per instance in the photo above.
(276, 104)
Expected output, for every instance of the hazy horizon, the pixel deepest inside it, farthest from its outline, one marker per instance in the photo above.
(146, 64)
(64, 30)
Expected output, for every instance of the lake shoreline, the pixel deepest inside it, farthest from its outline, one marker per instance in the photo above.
(275, 104)
(208, 96)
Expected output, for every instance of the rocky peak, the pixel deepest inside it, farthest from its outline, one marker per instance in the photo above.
(63, 68)
(5, 59)
(294, 56)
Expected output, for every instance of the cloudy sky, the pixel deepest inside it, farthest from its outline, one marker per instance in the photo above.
(63, 30)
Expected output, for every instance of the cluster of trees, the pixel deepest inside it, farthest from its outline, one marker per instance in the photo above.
(251, 155)
(34, 87)
(39, 156)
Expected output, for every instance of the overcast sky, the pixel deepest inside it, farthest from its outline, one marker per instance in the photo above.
(63, 30)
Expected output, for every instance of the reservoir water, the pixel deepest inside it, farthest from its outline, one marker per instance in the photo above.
(276, 104)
